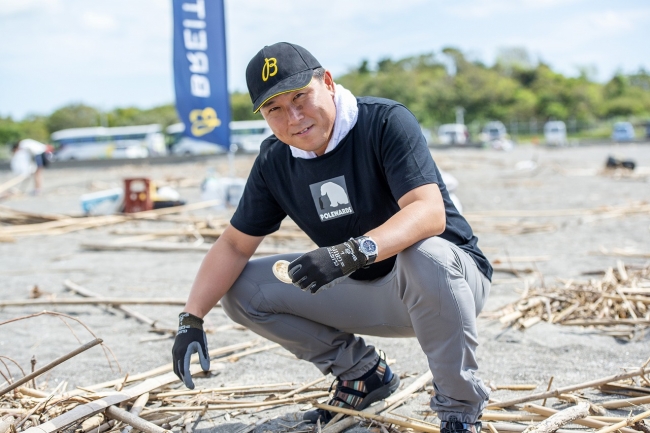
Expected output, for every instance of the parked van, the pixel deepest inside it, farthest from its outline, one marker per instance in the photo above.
(623, 131)
(555, 133)
(249, 134)
(494, 131)
(453, 133)
(105, 143)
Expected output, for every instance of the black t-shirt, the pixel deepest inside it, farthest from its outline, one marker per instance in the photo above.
(352, 189)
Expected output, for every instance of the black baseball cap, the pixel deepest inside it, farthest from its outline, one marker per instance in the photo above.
(276, 69)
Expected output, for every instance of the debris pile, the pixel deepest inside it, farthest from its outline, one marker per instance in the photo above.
(155, 402)
(617, 304)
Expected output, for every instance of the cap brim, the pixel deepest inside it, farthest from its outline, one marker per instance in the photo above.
(295, 82)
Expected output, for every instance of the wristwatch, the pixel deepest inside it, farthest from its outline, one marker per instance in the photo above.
(368, 247)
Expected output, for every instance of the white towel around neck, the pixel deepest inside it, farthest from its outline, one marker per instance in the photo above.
(347, 112)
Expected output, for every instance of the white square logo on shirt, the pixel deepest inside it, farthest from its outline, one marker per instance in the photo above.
(331, 198)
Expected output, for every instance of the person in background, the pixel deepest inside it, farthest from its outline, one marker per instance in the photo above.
(30, 156)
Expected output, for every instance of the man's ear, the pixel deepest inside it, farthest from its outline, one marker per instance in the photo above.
(329, 81)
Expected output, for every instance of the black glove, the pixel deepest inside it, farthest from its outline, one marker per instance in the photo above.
(189, 340)
(326, 266)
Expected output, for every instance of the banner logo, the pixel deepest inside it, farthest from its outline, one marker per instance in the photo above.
(269, 64)
(203, 121)
(331, 198)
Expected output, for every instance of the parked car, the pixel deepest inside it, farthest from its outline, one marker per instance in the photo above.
(494, 134)
(249, 134)
(494, 131)
(453, 133)
(623, 131)
(647, 130)
(555, 133)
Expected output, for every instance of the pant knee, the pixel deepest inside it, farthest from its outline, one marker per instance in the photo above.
(237, 301)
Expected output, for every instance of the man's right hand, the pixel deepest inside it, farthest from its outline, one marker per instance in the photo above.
(189, 340)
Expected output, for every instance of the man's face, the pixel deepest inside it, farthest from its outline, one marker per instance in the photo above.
(304, 118)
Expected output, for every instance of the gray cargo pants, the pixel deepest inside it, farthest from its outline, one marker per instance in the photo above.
(434, 293)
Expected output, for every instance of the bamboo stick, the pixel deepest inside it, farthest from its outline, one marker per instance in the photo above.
(167, 367)
(76, 288)
(229, 405)
(95, 221)
(616, 404)
(626, 422)
(94, 301)
(515, 387)
(222, 390)
(558, 391)
(134, 421)
(513, 417)
(596, 322)
(380, 418)
(89, 409)
(13, 182)
(587, 422)
(560, 418)
(51, 365)
(302, 388)
(138, 405)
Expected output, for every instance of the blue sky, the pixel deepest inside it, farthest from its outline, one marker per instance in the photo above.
(117, 53)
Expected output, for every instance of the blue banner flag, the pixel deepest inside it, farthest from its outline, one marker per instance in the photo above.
(200, 73)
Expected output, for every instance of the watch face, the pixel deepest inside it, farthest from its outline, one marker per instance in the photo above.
(368, 246)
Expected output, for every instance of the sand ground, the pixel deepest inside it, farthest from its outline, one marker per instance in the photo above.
(566, 178)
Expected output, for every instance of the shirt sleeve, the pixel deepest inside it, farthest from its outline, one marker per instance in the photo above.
(404, 153)
(258, 213)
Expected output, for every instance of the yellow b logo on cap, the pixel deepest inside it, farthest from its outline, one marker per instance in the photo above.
(203, 121)
(269, 64)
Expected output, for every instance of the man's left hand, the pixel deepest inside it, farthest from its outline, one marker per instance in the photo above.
(325, 266)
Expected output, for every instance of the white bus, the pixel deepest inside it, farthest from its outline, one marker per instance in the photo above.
(105, 143)
(247, 135)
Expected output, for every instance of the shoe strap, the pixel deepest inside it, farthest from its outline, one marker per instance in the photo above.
(352, 392)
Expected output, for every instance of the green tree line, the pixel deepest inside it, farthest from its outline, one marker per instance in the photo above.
(431, 85)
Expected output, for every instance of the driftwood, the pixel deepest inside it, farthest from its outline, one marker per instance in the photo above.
(557, 391)
(630, 421)
(229, 404)
(173, 247)
(222, 390)
(617, 404)
(624, 389)
(76, 288)
(617, 304)
(97, 406)
(138, 405)
(168, 367)
(51, 365)
(67, 225)
(13, 182)
(587, 421)
(380, 418)
(94, 301)
(560, 418)
(134, 421)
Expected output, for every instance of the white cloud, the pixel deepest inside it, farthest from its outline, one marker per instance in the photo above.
(485, 9)
(11, 7)
(98, 21)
